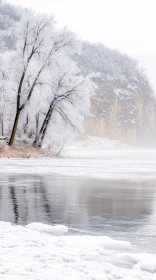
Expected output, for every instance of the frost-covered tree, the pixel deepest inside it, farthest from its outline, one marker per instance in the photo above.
(9, 15)
(69, 96)
(38, 42)
(6, 98)
(45, 90)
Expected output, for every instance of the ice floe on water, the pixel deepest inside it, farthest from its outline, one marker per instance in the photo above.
(109, 243)
(37, 254)
(55, 230)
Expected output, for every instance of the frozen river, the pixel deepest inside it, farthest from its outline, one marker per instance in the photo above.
(107, 194)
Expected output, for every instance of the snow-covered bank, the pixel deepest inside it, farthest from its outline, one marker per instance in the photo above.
(91, 146)
(93, 142)
(28, 254)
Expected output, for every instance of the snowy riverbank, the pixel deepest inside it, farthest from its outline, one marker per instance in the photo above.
(31, 254)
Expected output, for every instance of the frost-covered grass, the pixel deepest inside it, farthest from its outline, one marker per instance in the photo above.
(21, 150)
(29, 254)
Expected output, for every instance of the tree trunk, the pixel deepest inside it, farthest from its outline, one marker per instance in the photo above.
(2, 126)
(25, 126)
(45, 129)
(40, 137)
(12, 138)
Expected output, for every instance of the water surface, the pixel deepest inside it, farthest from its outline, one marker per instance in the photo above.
(122, 209)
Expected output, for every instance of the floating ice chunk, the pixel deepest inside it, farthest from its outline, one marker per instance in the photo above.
(55, 230)
(147, 265)
(109, 243)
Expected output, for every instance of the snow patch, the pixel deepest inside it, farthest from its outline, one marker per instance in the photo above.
(132, 259)
(92, 146)
(100, 143)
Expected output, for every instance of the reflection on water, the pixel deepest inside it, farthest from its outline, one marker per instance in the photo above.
(114, 208)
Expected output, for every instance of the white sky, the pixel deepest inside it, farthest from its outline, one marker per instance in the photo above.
(126, 25)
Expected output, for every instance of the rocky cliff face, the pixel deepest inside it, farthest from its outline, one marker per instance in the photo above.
(124, 105)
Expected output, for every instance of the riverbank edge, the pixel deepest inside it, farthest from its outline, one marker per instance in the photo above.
(22, 150)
